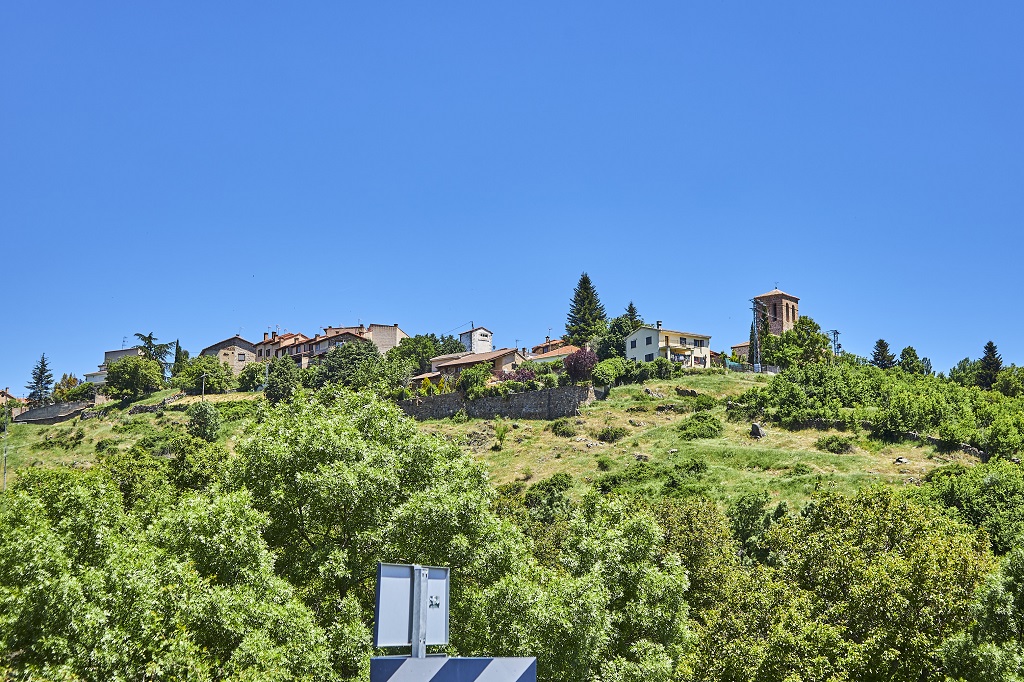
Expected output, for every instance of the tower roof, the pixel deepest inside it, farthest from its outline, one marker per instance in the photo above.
(777, 292)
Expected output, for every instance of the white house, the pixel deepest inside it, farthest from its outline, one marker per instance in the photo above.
(688, 348)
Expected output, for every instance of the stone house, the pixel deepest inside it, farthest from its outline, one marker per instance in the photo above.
(235, 351)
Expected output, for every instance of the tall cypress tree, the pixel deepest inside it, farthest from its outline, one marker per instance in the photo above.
(41, 386)
(882, 357)
(989, 366)
(586, 319)
(180, 359)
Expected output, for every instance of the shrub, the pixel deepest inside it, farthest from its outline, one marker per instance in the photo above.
(704, 402)
(604, 462)
(701, 425)
(801, 469)
(203, 421)
(611, 434)
(608, 372)
(580, 365)
(501, 428)
(459, 417)
(662, 368)
(563, 427)
(238, 409)
(522, 374)
(835, 444)
(549, 380)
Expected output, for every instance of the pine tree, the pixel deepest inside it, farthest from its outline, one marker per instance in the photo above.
(634, 316)
(881, 357)
(989, 366)
(152, 349)
(586, 318)
(39, 390)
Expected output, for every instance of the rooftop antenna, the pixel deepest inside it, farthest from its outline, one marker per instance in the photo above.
(124, 339)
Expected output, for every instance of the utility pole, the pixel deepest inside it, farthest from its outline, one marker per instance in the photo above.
(836, 347)
(7, 419)
(203, 377)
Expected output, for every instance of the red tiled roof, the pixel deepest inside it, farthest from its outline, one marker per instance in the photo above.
(777, 292)
(556, 353)
(477, 358)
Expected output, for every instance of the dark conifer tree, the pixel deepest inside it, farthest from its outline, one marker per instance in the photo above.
(586, 319)
(882, 357)
(41, 386)
(633, 316)
(989, 366)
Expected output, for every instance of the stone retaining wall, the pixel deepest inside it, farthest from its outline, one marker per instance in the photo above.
(550, 403)
(52, 414)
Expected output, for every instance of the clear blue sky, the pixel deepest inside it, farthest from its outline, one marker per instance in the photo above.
(196, 169)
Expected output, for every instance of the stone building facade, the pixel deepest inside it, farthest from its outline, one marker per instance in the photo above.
(236, 351)
(782, 310)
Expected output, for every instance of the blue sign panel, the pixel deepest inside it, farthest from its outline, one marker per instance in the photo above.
(444, 669)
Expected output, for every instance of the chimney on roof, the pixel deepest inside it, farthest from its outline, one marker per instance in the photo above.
(273, 335)
(659, 324)
(265, 335)
(547, 339)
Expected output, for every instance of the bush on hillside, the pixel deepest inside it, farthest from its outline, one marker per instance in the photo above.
(580, 365)
(835, 444)
(701, 425)
(563, 427)
(612, 434)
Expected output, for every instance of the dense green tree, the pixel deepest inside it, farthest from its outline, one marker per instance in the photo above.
(205, 374)
(612, 343)
(965, 372)
(282, 379)
(926, 365)
(881, 356)
(586, 319)
(133, 376)
(894, 577)
(803, 344)
(989, 366)
(910, 362)
(87, 594)
(62, 389)
(40, 387)
(203, 421)
(421, 348)
(1010, 381)
(252, 376)
(152, 349)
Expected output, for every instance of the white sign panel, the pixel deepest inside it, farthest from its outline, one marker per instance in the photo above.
(398, 587)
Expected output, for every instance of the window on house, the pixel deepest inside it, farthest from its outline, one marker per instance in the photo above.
(241, 357)
(649, 340)
(649, 357)
(682, 340)
(632, 343)
(775, 311)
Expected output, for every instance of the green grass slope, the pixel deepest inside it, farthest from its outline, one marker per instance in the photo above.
(654, 458)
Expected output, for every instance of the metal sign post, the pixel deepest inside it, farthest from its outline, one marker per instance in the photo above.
(412, 610)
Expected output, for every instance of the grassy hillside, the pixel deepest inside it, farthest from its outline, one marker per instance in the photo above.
(654, 457)
(79, 443)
